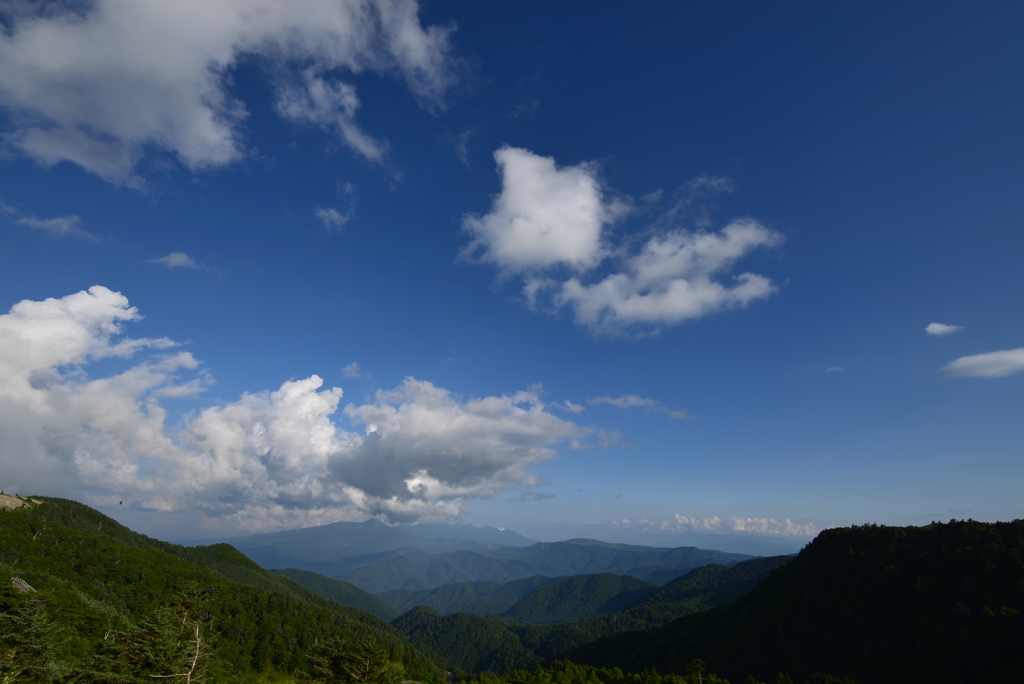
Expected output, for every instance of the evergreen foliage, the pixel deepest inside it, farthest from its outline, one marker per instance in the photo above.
(933, 604)
(477, 598)
(579, 598)
(112, 606)
(504, 644)
(341, 592)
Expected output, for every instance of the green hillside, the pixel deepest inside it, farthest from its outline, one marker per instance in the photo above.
(477, 598)
(941, 603)
(579, 598)
(508, 644)
(341, 592)
(110, 605)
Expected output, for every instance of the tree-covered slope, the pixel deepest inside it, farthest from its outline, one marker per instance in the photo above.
(110, 605)
(477, 598)
(579, 598)
(341, 592)
(510, 644)
(941, 603)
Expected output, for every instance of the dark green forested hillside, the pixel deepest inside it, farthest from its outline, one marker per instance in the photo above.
(579, 598)
(341, 592)
(113, 606)
(477, 598)
(930, 604)
(505, 645)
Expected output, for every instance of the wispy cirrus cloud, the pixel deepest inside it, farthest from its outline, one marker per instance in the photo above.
(552, 226)
(995, 364)
(177, 260)
(628, 401)
(59, 226)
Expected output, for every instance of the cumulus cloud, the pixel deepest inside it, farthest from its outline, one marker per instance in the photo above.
(271, 457)
(995, 364)
(550, 222)
(942, 329)
(627, 401)
(731, 525)
(545, 215)
(60, 226)
(98, 83)
(177, 260)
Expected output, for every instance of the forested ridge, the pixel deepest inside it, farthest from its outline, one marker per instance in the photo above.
(933, 604)
(96, 602)
(474, 644)
(112, 606)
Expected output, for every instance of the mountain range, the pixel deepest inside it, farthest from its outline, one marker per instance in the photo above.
(381, 558)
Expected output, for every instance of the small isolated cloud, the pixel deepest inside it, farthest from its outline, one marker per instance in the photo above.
(334, 219)
(536, 496)
(60, 226)
(177, 260)
(733, 525)
(331, 218)
(462, 145)
(98, 83)
(352, 370)
(995, 364)
(627, 401)
(833, 369)
(942, 329)
(551, 226)
(286, 456)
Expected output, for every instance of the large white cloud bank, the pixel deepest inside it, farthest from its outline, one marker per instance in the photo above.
(270, 458)
(553, 226)
(97, 82)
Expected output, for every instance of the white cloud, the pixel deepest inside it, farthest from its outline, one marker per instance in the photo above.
(942, 329)
(731, 525)
(995, 364)
(331, 218)
(266, 459)
(673, 280)
(548, 219)
(572, 408)
(329, 105)
(352, 370)
(422, 444)
(99, 83)
(833, 369)
(627, 401)
(177, 260)
(60, 226)
(545, 215)
(334, 219)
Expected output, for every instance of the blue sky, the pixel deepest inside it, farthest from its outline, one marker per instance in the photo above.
(657, 273)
